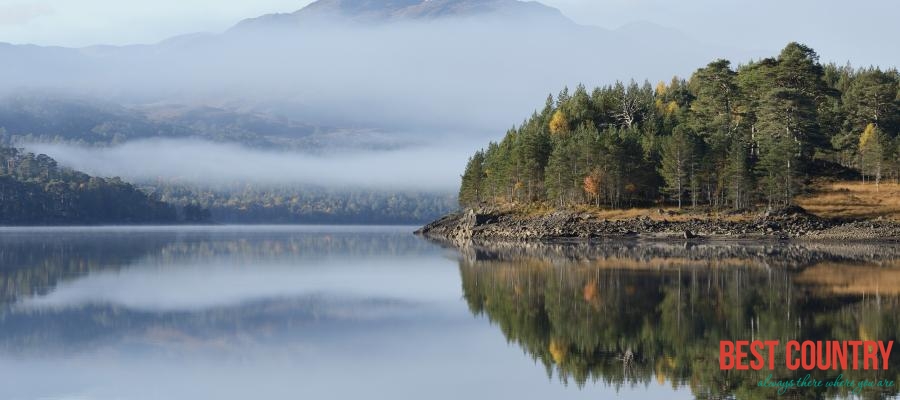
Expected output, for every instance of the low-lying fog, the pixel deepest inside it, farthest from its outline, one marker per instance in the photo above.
(429, 168)
(478, 76)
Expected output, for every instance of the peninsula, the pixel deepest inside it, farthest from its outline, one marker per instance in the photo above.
(782, 147)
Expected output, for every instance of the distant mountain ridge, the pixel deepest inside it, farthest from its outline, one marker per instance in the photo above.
(357, 66)
(384, 11)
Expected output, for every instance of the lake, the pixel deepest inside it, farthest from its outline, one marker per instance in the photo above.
(375, 312)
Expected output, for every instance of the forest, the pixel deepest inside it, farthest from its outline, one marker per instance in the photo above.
(35, 190)
(245, 203)
(726, 138)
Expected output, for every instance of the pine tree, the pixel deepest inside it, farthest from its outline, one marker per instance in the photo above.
(677, 157)
(872, 98)
(738, 172)
(470, 191)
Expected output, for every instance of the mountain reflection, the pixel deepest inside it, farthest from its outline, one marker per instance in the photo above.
(634, 314)
(65, 291)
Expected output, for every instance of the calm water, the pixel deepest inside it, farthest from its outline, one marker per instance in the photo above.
(348, 312)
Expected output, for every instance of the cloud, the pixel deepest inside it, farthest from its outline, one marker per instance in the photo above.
(22, 13)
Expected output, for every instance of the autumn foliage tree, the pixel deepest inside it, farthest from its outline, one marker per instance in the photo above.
(593, 185)
(871, 152)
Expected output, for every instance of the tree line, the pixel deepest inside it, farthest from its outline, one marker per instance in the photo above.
(725, 138)
(243, 203)
(35, 190)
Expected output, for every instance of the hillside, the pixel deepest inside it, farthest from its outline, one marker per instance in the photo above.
(34, 190)
(29, 117)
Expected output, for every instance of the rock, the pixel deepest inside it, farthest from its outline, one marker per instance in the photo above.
(491, 225)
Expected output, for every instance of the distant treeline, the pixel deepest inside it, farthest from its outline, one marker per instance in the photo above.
(725, 138)
(292, 204)
(34, 190)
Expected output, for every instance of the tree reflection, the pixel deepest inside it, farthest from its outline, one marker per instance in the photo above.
(630, 319)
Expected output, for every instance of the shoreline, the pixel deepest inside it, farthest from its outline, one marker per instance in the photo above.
(791, 224)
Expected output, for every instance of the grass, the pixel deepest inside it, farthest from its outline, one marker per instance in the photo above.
(828, 199)
(856, 200)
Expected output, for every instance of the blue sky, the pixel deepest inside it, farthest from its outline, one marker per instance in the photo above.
(863, 31)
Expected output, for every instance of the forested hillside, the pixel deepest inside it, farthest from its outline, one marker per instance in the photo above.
(35, 117)
(34, 190)
(726, 138)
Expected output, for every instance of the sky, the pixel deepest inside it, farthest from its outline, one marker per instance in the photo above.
(840, 30)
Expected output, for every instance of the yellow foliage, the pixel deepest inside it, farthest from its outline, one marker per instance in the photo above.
(661, 88)
(671, 108)
(559, 123)
(559, 351)
(869, 136)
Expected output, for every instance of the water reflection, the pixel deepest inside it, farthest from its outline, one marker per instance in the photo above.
(298, 312)
(211, 287)
(631, 314)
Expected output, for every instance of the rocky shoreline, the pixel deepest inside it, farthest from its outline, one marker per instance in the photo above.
(792, 223)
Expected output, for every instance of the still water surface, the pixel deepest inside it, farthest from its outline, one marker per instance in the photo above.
(374, 312)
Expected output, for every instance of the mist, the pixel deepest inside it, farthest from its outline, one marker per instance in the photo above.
(456, 81)
(478, 75)
(202, 163)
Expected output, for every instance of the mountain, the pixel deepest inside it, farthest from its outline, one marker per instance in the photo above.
(428, 79)
(343, 79)
(375, 11)
(441, 66)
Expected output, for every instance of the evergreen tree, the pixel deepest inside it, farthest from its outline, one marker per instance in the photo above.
(725, 138)
(677, 157)
(470, 192)
(872, 99)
